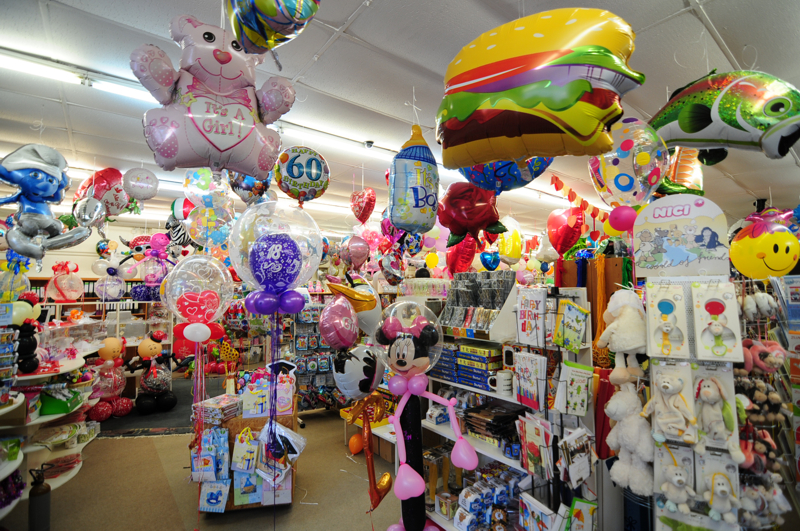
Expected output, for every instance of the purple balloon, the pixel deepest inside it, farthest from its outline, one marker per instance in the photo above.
(110, 288)
(265, 302)
(359, 251)
(338, 323)
(292, 302)
(250, 302)
(275, 261)
(140, 292)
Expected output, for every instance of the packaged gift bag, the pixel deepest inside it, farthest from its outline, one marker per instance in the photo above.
(245, 452)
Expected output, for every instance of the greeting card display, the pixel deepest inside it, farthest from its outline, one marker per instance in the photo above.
(531, 304)
(570, 326)
(681, 235)
(667, 326)
(718, 335)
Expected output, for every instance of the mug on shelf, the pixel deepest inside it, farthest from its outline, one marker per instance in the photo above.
(501, 382)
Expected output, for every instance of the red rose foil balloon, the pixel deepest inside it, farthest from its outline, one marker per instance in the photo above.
(461, 255)
(467, 209)
(564, 231)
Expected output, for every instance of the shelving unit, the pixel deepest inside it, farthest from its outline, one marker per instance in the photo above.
(66, 366)
(481, 447)
(56, 482)
(10, 466)
(441, 521)
(506, 398)
(16, 402)
(5, 511)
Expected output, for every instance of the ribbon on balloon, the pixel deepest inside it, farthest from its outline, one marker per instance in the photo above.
(393, 327)
(577, 200)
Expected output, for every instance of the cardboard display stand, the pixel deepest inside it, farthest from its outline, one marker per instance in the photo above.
(235, 426)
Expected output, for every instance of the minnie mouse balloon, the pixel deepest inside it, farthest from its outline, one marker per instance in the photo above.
(140, 183)
(302, 173)
(630, 173)
(414, 186)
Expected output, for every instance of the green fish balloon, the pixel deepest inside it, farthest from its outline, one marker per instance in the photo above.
(742, 110)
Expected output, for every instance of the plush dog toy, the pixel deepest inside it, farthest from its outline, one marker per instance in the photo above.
(631, 439)
(716, 420)
(721, 499)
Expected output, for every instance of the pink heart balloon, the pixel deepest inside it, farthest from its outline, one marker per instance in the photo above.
(359, 251)
(338, 323)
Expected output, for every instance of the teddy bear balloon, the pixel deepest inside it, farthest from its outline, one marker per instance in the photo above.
(411, 333)
(212, 115)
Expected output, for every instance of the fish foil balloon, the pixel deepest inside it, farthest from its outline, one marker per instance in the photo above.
(742, 110)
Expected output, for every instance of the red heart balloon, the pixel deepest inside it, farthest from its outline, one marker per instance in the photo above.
(594, 235)
(198, 307)
(461, 255)
(177, 330)
(183, 347)
(563, 235)
(362, 204)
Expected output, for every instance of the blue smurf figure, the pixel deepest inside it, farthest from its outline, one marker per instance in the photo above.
(40, 174)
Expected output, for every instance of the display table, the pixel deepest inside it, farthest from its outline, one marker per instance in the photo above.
(235, 426)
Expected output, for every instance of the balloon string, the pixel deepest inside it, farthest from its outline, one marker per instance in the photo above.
(362, 180)
(413, 104)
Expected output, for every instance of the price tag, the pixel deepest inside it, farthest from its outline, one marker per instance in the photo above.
(470, 333)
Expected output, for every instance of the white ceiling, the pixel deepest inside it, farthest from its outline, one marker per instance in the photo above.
(355, 67)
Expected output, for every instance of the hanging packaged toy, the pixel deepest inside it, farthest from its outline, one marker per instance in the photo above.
(716, 322)
(66, 285)
(666, 321)
(718, 480)
(715, 407)
(671, 403)
(674, 478)
(13, 281)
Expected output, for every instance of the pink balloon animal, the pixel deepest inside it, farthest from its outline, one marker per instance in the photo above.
(155, 260)
(409, 358)
(212, 114)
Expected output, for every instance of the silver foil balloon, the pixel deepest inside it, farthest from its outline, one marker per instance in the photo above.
(88, 212)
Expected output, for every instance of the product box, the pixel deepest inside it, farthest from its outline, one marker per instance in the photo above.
(444, 376)
(472, 383)
(489, 366)
(475, 374)
(465, 521)
(471, 500)
(480, 350)
(446, 505)
(478, 357)
(280, 495)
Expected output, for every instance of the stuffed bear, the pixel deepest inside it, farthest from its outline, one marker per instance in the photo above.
(672, 416)
(721, 499)
(212, 114)
(759, 398)
(676, 488)
(630, 438)
(625, 335)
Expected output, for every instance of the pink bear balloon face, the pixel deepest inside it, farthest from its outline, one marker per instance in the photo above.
(212, 116)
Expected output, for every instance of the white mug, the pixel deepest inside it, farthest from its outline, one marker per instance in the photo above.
(501, 382)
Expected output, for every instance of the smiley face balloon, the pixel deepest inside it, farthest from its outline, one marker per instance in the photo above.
(764, 249)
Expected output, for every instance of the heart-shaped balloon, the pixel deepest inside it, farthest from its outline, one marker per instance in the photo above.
(562, 235)
(359, 251)
(490, 260)
(390, 231)
(198, 307)
(594, 235)
(362, 204)
(391, 265)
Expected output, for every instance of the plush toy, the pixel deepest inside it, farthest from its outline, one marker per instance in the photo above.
(748, 307)
(630, 438)
(212, 114)
(715, 417)
(765, 357)
(676, 488)
(721, 499)
(754, 505)
(672, 416)
(625, 335)
(767, 307)
(777, 504)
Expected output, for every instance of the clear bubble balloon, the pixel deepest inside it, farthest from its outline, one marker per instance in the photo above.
(411, 338)
(272, 217)
(199, 289)
(207, 189)
(209, 227)
(630, 173)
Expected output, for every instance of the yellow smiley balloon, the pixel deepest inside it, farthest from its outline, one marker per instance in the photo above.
(764, 250)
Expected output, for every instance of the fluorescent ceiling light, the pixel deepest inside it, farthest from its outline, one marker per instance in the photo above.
(123, 90)
(336, 142)
(38, 69)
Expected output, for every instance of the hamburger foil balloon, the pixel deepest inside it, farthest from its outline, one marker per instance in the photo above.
(544, 85)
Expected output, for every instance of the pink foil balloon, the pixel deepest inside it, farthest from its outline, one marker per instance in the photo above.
(338, 323)
(359, 251)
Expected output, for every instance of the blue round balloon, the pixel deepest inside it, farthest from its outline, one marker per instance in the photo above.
(275, 261)
(505, 175)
